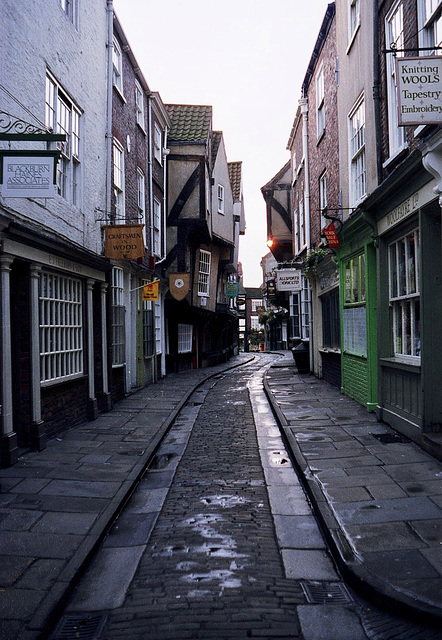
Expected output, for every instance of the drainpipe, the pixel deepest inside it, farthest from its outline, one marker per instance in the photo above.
(110, 49)
(304, 112)
(149, 231)
(165, 152)
(377, 91)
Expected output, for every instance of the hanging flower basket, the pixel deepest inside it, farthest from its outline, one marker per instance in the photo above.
(312, 260)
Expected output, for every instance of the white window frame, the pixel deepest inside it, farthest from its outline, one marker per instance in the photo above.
(61, 328)
(118, 180)
(256, 304)
(139, 104)
(323, 198)
(118, 336)
(430, 25)
(204, 263)
(117, 66)
(157, 227)
(357, 153)
(403, 265)
(320, 103)
(354, 18)
(220, 197)
(158, 306)
(185, 335)
(157, 143)
(394, 34)
(63, 116)
(70, 7)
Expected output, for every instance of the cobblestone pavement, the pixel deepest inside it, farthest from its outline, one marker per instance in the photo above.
(212, 567)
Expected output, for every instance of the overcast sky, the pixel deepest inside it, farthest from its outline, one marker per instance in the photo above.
(246, 58)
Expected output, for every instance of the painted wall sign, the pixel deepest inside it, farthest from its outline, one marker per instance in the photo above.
(289, 280)
(124, 241)
(419, 90)
(28, 176)
(407, 208)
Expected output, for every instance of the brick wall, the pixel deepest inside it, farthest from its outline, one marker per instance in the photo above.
(64, 406)
(355, 378)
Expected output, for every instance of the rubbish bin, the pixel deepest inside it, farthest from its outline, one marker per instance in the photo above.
(301, 357)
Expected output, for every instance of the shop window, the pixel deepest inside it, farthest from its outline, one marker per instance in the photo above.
(118, 318)
(299, 319)
(404, 296)
(185, 338)
(331, 332)
(61, 327)
(354, 318)
(148, 328)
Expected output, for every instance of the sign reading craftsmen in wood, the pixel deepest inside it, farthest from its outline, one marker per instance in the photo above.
(179, 285)
(124, 241)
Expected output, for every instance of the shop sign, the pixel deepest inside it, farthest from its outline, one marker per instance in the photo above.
(28, 174)
(151, 291)
(406, 208)
(232, 289)
(331, 236)
(419, 90)
(124, 241)
(271, 289)
(179, 285)
(289, 280)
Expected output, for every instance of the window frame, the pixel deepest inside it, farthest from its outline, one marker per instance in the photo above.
(61, 326)
(320, 103)
(357, 151)
(139, 105)
(394, 26)
(354, 18)
(117, 66)
(118, 179)
(63, 116)
(157, 216)
(157, 143)
(70, 8)
(220, 198)
(118, 318)
(185, 338)
(322, 188)
(429, 24)
(204, 266)
(404, 293)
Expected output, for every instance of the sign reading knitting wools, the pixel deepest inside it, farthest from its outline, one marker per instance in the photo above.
(419, 90)
(289, 280)
(28, 174)
(124, 241)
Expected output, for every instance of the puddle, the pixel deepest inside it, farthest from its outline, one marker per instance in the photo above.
(161, 461)
(225, 502)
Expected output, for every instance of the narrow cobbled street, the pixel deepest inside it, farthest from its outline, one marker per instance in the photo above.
(212, 566)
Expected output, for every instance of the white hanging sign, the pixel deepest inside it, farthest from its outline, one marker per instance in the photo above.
(419, 90)
(28, 176)
(289, 280)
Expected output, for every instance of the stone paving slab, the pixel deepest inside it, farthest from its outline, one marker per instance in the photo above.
(56, 505)
(381, 503)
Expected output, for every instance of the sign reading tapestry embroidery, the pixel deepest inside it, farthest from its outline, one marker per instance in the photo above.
(124, 241)
(30, 176)
(419, 90)
(289, 280)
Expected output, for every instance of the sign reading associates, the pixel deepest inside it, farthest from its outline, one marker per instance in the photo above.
(28, 174)
(419, 90)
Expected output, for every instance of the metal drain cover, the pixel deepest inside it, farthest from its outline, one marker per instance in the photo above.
(326, 593)
(80, 626)
(389, 438)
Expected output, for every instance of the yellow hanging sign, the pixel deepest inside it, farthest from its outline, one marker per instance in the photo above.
(151, 290)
